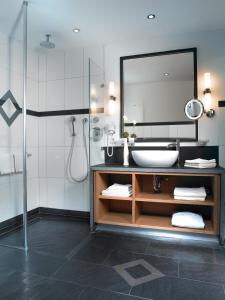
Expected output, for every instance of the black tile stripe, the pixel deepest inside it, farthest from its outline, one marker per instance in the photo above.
(51, 113)
(221, 103)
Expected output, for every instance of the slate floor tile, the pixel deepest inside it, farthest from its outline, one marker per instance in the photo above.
(23, 286)
(31, 263)
(92, 275)
(94, 294)
(168, 288)
(213, 273)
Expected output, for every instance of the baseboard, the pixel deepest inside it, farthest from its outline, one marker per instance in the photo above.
(79, 215)
(16, 222)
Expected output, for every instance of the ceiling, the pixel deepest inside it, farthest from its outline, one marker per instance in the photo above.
(104, 21)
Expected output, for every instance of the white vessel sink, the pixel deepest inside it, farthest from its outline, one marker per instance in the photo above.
(155, 158)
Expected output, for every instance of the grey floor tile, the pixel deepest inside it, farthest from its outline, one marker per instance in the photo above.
(92, 275)
(23, 286)
(94, 294)
(31, 263)
(165, 265)
(204, 272)
(168, 288)
(184, 252)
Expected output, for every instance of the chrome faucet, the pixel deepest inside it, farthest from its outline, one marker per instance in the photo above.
(177, 146)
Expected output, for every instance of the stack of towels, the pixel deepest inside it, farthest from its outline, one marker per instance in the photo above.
(190, 193)
(188, 220)
(200, 163)
(118, 190)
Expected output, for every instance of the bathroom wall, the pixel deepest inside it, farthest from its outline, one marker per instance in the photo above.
(63, 85)
(211, 58)
(11, 77)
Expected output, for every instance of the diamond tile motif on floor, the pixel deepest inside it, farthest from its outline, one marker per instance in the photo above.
(9, 108)
(127, 272)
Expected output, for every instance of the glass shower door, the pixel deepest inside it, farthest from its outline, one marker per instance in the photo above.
(12, 144)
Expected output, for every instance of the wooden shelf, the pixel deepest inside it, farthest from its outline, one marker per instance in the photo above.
(164, 223)
(115, 198)
(116, 218)
(168, 198)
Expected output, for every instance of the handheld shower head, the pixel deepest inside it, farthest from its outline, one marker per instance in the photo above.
(47, 44)
(72, 120)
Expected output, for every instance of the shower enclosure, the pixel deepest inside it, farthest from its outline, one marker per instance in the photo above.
(13, 90)
(50, 137)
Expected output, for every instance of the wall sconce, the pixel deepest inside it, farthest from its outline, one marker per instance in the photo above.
(208, 96)
(94, 99)
(112, 98)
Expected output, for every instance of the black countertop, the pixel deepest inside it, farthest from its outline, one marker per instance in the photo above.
(174, 169)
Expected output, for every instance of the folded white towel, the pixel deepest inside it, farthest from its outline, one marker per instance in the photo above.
(119, 187)
(6, 164)
(200, 161)
(189, 198)
(190, 192)
(200, 166)
(188, 220)
(116, 194)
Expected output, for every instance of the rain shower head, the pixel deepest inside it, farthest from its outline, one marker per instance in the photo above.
(47, 44)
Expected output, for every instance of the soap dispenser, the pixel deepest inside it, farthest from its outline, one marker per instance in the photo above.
(125, 153)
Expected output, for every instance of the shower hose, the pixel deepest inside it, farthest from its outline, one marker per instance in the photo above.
(70, 175)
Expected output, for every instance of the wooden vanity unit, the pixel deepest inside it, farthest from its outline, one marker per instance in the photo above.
(147, 209)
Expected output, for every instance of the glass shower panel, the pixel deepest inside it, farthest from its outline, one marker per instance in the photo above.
(11, 133)
(97, 115)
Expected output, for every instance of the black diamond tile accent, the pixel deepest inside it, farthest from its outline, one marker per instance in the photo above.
(9, 96)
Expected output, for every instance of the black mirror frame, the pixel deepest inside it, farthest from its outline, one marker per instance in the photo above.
(122, 59)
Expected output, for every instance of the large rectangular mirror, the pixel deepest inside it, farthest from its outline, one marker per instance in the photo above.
(154, 90)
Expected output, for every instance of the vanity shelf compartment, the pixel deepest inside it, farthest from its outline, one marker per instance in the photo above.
(164, 223)
(111, 211)
(144, 187)
(104, 179)
(159, 216)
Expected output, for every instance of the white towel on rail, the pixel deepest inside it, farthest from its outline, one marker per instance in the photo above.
(6, 163)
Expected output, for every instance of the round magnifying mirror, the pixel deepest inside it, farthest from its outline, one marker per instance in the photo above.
(194, 109)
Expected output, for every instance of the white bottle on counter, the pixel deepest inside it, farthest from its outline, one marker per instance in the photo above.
(125, 153)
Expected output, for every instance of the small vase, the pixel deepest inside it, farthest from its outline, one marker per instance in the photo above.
(125, 153)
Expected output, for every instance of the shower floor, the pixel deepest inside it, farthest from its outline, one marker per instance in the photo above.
(65, 262)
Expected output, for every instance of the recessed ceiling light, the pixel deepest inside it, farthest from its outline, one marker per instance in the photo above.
(151, 16)
(76, 30)
(166, 74)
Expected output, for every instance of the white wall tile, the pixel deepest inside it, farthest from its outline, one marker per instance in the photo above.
(55, 95)
(74, 196)
(4, 79)
(4, 55)
(95, 53)
(32, 162)
(42, 68)
(55, 193)
(32, 193)
(42, 96)
(43, 192)
(42, 132)
(32, 94)
(42, 162)
(160, 131)
(32, 65)
(55, 162)
(55, 65)
(32, 131)
(74, 93)
(74, 63)
(55, 131)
